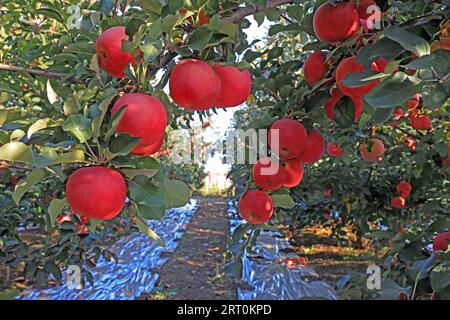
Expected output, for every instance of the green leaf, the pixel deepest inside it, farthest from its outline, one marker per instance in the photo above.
(50, 13)
(283, 201)
(393, 91)
(199, 39)
(143, 192)
(108, 97)
(408, 40)
(419, 269)
(39, 125)
(176, 193)
(123, 144)
(354, 80)
(132, 173)
(151, 52)
(79, 126)
(51, 94)
(16, 152)
(440, 277)
(151, 5)
(55, 208)
(142, 226)
(31, 180)
(390, 290)
(439, 61)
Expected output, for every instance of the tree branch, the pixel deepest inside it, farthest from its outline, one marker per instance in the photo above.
(40, 73)
(241, 13)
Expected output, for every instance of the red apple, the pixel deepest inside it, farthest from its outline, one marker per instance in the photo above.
(336, 97)
(256, 207)
(374, 152)
(110, 55)
(194, 85)
(315, 147)
(148, 150)
(293, 173)
(202, 18)
(398, 202)
(268, 174)
(292, 138)
(145, 117)
(441, 241)
(335, 23)
(96, 192)
(348, 66)
(334, 150)
(421, 122)
(363, 8)
(236, 86)
(314, 68)
(404, 188)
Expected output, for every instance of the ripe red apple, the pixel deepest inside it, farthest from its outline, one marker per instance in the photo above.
(202, 18)
(256, 207)
(441, 241)
(398, 202)
(15, 180)
(404, 188)
(293, 173)
(421, 122)
(194, 85)
(315, 147)
(414, 102)
(334, 150)
(148, 150)
(335, 23)
(110, 55)
(363, 7)
(337, 96)
(314, 68)
(145, 117)
(96, 192)
(236, 86)
(292, 138)
(411, 143)
(327, 192)
(374, 152)
(268, 174)
(347, 66)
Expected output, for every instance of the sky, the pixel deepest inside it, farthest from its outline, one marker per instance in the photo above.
(221, 122)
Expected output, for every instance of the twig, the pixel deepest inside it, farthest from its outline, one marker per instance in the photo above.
(40, 73)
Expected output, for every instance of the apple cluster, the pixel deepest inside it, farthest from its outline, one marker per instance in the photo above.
(404, 189)
(293, 147)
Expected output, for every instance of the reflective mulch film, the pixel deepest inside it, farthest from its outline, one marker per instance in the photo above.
(269, 281)
(134, 274)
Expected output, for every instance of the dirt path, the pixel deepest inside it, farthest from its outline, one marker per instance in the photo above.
(195, 269)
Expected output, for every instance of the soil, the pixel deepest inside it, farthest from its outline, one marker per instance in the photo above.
(331, 258)
(195, 270)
